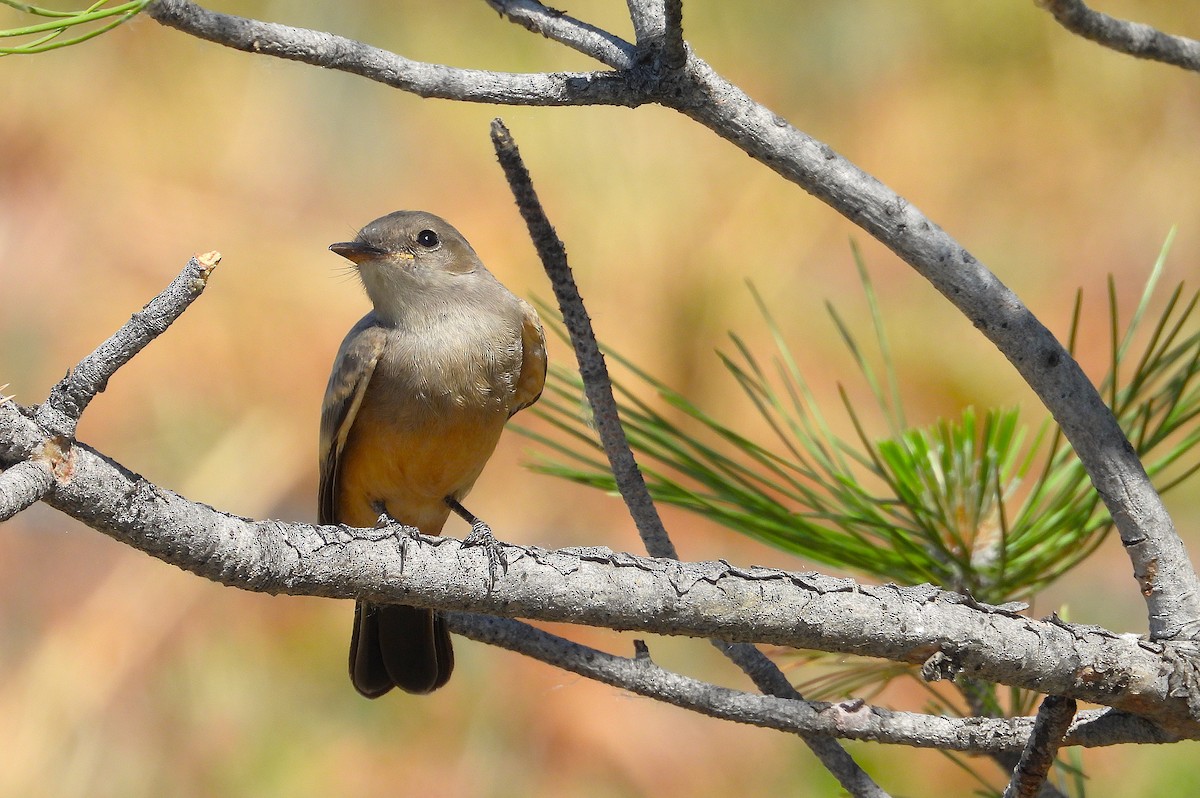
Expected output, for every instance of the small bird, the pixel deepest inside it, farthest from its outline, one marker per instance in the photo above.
(420, 391)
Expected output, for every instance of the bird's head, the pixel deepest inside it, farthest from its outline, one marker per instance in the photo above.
(409, 257)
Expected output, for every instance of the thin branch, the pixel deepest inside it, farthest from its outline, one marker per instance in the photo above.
(980, 697)
(1131, 38)
(851, 720)
(630, 482)
(24, 485)
(771, 681)
(658, 27)
(648, 18)
(70, 397)
(674, 48)
(423, 79)
(565, 29)
(1054, 718)
(592, 368)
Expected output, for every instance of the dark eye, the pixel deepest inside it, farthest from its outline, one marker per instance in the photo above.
(428, 239)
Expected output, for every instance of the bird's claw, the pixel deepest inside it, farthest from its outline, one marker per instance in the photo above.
(385, 520)
(481, 535)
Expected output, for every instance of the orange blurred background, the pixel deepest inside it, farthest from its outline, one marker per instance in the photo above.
(1052, 160)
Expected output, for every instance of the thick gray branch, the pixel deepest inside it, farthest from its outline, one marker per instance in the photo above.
(597, 587)
(1131, 38)
(425, 80)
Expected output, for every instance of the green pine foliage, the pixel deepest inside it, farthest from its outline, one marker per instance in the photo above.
(983, 503)
(85, 24)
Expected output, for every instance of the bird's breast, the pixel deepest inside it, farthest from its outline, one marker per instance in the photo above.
(452, 364)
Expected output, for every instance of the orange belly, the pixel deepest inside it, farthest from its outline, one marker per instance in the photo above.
(408, 466)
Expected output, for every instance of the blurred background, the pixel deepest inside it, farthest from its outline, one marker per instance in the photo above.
(1054, 161)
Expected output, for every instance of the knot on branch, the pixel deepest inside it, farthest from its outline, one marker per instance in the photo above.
(659, 67)
(940, 666)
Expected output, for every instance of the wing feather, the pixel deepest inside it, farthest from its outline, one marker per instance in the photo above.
(533, 361)
(348, 382)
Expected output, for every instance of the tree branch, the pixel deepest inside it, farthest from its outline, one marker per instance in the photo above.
(981, 701)
(674, 48)
(1131, 38)
(658, 26)
(648, 18)
(598, 587)
(592, 368)
(1053, 720)
(852, 720)
(70, 397)
(565, 29)
(24, 485)
(630, 482)
(1165, 574)
(423, 79)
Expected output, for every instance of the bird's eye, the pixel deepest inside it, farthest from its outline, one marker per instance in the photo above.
(428, 239)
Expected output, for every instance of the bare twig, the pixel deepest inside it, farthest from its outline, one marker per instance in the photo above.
(565, 29)
(630, 482)
(674, 48)
(592, 368)
(1131, 38)
(648, 18)
(70, 397)
(771, 681)
(1053, 720)
(423, 79)
(980, 698)
(850, 720)
(658, 26)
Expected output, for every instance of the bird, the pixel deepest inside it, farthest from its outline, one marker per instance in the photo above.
(419, 393)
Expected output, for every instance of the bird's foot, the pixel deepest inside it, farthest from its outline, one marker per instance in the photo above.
(385, 520)
(481, 535)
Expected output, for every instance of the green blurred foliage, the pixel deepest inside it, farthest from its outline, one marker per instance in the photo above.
(1054, 161)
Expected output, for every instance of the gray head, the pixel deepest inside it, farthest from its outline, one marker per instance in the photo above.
(411, 258)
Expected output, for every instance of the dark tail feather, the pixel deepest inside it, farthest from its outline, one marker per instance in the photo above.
(397, 646)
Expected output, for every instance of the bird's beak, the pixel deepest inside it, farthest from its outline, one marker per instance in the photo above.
(357, 251)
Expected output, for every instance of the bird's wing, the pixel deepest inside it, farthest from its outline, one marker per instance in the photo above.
(352, 372)
(533, 362)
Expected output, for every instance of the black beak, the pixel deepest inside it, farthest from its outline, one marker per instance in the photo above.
(357, 251)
